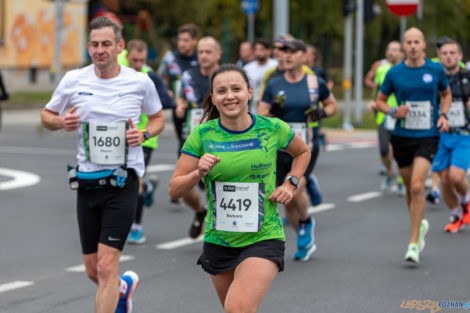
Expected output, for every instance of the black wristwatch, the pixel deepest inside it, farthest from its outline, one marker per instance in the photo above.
(147, 135)
(294, 181)
(445, 115)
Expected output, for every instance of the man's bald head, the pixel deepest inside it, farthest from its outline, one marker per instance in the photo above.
(414, 45)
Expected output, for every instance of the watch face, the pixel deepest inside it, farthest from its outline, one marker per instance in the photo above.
(294, 180)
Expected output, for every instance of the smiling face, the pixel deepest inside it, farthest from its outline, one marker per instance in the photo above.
(230, 94)
(103, 47)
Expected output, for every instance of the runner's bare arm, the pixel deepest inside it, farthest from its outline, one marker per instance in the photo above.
(446, 99)
(53, 121)
(189, 171)
(301, 153)
(330, 105)
(263, 109)
(156, 123)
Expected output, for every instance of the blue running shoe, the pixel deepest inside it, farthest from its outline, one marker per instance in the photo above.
(305, 235)
(125, 301)
(304, 254)
(313, 190)
(152, 184)
(136, 237)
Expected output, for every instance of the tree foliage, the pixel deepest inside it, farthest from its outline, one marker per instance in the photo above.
(319, 22)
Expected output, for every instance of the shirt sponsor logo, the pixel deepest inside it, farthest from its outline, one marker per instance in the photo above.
(427, 78)
(85, 93)
(260, 167)
(101, 128)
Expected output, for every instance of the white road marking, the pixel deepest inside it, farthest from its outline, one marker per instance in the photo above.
(178, 243)
(15, 285)
(352, 145)
(81, 267)
(160, 168)
(320, 208)
(20, 179)
(188, 241)
(364, 196)
(37, 150)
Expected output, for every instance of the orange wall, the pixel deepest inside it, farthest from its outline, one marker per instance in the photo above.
(29, 34)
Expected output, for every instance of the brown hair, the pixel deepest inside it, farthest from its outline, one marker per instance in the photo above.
(191, 29)
(210, 111)
(136, 44)
(103, 21)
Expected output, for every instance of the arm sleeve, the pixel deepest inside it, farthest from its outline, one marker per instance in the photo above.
(166, 100)
(267, 94)
(443, 81)
(387, 86)
(151, 103)
(193, 146)
(323, 91)
(285, 132)
(60, 99)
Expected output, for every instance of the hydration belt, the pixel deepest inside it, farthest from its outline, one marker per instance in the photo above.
(96, 180)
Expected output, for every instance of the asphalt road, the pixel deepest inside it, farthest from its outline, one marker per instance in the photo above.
(358, 266)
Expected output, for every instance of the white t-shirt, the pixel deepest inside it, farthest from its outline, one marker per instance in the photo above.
(256, 73)
(106, 100)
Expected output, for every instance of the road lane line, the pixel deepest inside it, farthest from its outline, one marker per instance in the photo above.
(20, 179)
(15, 285)
(320, 208)
(178, 243)
(81, 267)
(364, 196)
(189, 241)
(160, 168)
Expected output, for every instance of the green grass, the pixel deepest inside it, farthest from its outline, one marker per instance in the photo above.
(27, 99)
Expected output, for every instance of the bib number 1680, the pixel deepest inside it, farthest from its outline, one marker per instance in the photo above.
(106, 141)
(235, 204)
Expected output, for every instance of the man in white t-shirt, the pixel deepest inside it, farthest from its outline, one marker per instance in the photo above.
(105, 102)
(257, 68)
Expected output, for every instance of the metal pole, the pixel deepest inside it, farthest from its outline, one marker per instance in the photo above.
(419, 15)
(359, 61)
(251, 28)
(347, 61)
(402, 27)
(57, 68)
(281, 17)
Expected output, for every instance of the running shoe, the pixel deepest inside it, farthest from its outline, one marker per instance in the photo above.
(125, 300)
(386, 183)
(305, 235)
(136, 237)
(412, 254)
(304, 254)
(466, 213)
(455, 225)
(313, 190)
(423, 230)
(196, 226)
(433, 196)
(151, 186)
(401, 190)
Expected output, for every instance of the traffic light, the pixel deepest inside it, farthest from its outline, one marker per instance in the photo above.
(348, 7)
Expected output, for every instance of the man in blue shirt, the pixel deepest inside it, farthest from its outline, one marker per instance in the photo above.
(416, 82)
(294, 98)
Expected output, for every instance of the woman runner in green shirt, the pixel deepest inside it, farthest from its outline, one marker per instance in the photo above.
(235, 152)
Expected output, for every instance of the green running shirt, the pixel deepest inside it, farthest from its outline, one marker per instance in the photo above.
(250, 157)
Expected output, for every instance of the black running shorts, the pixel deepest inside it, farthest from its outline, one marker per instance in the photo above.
(217, 259)
(406, 149)
(284, 165)
(106, 215)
